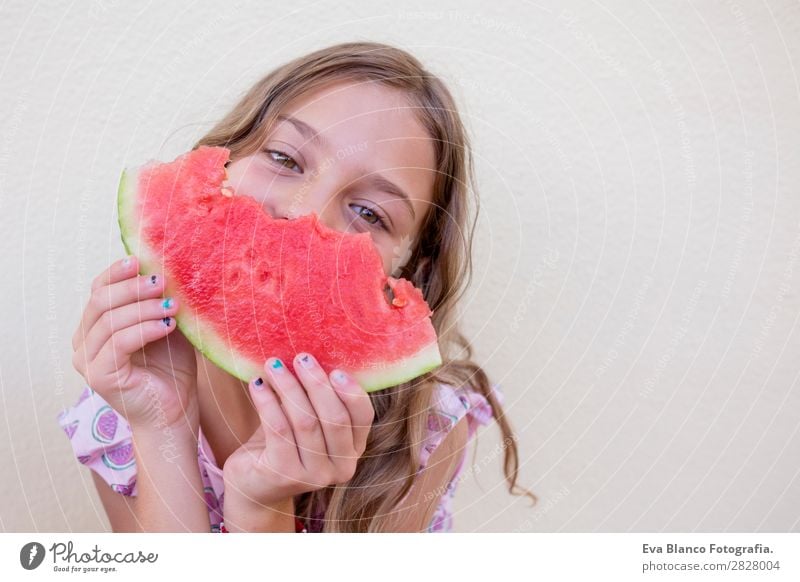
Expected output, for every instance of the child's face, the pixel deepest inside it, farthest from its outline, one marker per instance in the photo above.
(370, 149)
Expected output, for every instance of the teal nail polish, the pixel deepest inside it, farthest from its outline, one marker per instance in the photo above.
(167, 303)
(277, 364)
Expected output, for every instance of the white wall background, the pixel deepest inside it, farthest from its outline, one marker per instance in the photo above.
(638, 260)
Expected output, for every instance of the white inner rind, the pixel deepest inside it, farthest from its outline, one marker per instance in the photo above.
(392, 374)
(203, 336)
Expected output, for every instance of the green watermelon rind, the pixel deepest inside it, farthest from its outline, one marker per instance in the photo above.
(199, 334)
(205, 339)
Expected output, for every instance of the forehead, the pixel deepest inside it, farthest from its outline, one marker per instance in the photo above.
(369, 124)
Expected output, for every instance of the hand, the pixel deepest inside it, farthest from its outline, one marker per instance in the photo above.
(127, 353)
(313, 430)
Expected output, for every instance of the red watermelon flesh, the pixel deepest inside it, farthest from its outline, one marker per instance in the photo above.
(251, 286)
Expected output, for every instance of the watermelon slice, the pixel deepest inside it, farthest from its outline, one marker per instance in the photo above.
(251, 286)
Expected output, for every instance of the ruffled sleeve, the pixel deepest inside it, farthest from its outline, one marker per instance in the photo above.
(101, 439)
(451, 404)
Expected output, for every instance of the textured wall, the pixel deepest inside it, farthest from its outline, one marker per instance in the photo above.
(638, 256)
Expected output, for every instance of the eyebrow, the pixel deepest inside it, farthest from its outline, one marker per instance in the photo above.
(385, 184)
(378, 181)
(304, 129)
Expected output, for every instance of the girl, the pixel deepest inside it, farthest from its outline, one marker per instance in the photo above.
(364, 136)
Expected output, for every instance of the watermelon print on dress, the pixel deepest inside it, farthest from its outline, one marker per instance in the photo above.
(104, 426)
(449, 402)
(120, 457)
(251, 286)
(123, 489)
(71, 428)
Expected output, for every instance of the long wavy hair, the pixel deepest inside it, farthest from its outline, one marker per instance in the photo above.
(440, 265)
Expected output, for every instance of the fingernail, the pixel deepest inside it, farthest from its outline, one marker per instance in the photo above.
(276, 364)
(339, 377)
(167, 303)
(258, 384)
(153, 279)
(306, 361)
(126, 262)
(166, 321)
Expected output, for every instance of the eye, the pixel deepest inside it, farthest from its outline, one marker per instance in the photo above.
(283, 159)
(371, 216)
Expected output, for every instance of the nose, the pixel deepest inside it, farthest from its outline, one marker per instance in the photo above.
(318, 200)
(274, 208)
(289, 209)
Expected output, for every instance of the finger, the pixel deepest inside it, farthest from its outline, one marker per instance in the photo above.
(115, 295)
(117, 271)
(278, 434)
(358, 404)
(116, 352)
(305, 424)
(123, 317)
(333, 416)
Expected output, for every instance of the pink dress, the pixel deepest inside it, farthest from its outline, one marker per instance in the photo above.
(101, 440)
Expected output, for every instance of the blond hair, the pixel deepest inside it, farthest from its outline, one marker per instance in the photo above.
(440, 265)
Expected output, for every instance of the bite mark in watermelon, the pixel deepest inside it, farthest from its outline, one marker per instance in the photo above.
(251, 286)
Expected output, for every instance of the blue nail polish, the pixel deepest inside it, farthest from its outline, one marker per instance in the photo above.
(306, 361)
(277, 364)
(166, 321)
(167, 303)
(153, 279)
(258, 382)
